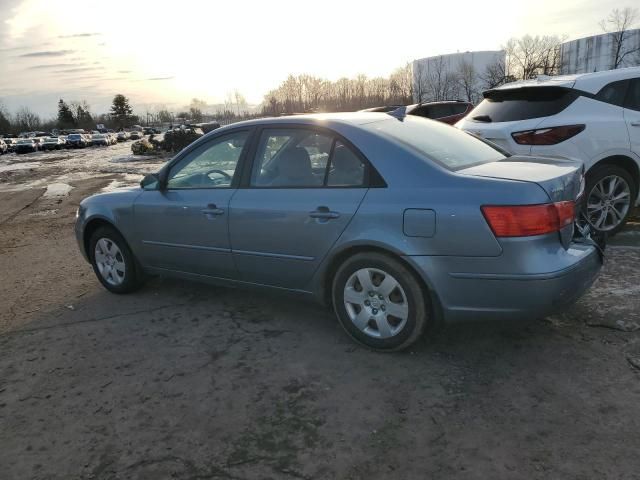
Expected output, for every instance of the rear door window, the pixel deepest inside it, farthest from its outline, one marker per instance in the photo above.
(613, 93)
(515, 104)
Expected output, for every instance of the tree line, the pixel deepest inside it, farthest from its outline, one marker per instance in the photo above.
(307, 93)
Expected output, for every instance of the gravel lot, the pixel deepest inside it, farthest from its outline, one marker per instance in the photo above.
(193, 382)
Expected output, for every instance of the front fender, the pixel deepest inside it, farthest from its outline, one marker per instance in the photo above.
(114, 208)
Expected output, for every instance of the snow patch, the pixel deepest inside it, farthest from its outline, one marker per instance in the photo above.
(57, 190)
(19, 166)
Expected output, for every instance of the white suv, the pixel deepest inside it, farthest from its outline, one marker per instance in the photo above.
(594, 117)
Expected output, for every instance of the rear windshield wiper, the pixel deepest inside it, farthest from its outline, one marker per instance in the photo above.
(482, 118)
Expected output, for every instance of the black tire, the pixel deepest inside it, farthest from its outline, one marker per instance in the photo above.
(133, 275)
(419, 305)
(595, 175)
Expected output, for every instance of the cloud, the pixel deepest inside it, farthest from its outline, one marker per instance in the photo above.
(54, 65)
(46, 53)
(153, 79)
(80, 35)
(124, 71)
(78, 69)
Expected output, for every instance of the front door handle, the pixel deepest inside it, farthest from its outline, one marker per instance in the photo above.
(323, 213)
(635, 124)
(212, 209)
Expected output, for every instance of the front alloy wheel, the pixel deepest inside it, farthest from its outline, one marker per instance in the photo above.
(113, 262)
(110, 261)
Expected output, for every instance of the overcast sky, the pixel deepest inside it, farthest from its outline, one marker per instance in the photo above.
(157, 54)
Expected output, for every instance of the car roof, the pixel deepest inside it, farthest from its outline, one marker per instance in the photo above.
(321, 119)
(588, 82)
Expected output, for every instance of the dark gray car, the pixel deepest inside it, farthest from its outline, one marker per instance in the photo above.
(395, 221)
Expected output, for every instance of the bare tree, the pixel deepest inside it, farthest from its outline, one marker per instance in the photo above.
(241, 102)
(468, 81)
(440, 81)
(420, 81)
(617, 26)
(495, 74)
(26, 120)
(530, 56)
(401, 85)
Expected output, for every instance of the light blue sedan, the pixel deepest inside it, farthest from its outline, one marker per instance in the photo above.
(395, 221)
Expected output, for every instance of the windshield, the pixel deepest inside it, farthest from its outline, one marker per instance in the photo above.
(439, 142)
(74, 136)
(24, 142)
(98, 136)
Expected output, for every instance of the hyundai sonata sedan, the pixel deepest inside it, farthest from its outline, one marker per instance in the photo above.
(395, 221)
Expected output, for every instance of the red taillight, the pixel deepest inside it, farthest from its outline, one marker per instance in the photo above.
(528, 220)
(547, 136)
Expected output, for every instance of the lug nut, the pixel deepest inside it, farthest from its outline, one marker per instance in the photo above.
(371, 294)
(374, 311)
(380, 297)
(367, 303)
(383, 308)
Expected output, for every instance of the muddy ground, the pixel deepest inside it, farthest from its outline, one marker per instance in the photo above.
(188, 381)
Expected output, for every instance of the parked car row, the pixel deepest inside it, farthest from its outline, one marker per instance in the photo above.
(72, 140)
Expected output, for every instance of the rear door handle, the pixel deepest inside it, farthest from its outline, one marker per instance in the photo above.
(212, 209)
(324, 213)
(635, 124)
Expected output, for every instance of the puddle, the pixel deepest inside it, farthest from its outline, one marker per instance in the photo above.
(57, 190)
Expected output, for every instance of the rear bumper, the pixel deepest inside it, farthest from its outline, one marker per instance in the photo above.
(475, 294)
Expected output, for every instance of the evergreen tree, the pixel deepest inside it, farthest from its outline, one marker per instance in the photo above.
(65, 115)
(121, 110)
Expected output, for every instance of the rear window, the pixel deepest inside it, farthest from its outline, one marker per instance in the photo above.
(439, 142)
(74, 136)
(523, 103)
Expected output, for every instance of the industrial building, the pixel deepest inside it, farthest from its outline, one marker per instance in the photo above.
(596, 53)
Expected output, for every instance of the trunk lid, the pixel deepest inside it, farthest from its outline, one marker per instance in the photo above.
(562, 179)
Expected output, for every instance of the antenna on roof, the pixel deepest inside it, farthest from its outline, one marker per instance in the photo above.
(399, 113)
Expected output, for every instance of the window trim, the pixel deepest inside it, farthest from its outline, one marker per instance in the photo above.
(184, 153)
(627, 97)
(372, 178)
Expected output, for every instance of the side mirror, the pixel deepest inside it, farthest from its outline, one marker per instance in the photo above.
(152, 182)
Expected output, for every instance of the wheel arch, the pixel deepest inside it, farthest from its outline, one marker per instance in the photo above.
(333, 263)
(91, 226)
(623, 161)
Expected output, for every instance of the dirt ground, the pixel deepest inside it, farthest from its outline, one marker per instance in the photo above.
(188, 381)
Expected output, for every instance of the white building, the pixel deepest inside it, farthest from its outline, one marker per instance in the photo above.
(454, 76)
(595, 53)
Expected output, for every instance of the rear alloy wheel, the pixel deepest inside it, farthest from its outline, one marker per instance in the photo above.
(610, 195)
(379, 302)
(113, 262)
